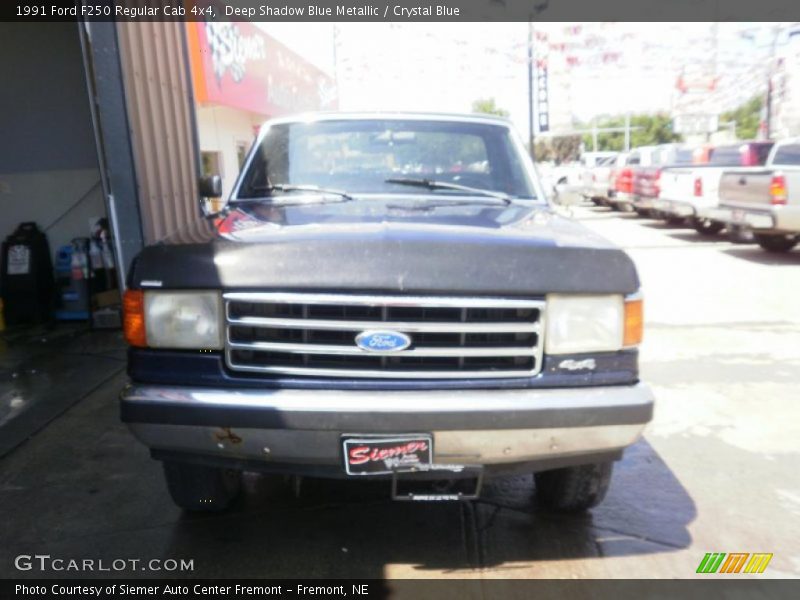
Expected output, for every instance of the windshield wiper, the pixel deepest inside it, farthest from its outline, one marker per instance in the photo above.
(432, 184)
(315, 189)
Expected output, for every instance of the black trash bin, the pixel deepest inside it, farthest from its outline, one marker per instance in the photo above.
(27, 277)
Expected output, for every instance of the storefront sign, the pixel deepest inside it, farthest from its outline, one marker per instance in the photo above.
(238, 65)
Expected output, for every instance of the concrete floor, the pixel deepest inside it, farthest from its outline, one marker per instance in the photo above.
(716, 471)
(44, 370)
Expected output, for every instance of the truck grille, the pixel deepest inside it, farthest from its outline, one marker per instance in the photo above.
(451, 338)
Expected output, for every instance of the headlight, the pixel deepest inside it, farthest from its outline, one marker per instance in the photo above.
(183, 319)
(584, 323)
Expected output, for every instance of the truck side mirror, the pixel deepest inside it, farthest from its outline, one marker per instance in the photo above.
(210, 188)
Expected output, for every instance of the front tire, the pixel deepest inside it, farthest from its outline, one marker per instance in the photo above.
(777, 243)
(573, 489)
(201, 488)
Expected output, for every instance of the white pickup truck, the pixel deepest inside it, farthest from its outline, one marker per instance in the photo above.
(767, 200)
(596, 181)
(693, 192)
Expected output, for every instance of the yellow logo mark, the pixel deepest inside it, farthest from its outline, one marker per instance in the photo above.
(758, 563)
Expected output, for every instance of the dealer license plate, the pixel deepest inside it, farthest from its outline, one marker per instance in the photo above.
(376, 455)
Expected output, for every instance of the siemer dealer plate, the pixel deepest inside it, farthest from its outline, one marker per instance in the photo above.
(377, 455)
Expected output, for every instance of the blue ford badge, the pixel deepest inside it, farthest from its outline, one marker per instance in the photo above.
(382, 341)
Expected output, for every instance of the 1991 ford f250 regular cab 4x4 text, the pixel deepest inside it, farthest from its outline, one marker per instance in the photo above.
(385, 296)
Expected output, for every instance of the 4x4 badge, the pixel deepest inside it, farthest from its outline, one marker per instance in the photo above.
(587, 364)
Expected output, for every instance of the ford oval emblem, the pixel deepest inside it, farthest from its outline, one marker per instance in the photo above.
(382, 341)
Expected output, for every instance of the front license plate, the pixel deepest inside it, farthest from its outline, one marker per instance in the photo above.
(738, 216)
(382, 455)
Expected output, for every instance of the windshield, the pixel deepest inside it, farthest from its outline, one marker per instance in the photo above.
(787, 154)
(364, 156)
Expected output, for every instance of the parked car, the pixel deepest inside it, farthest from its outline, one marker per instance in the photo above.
(563, 182)
(767, 200)
(361, 323)
(647, 178)
(692, 193)
(596, 180)
(614, 171)
(592, 159)
(672, 177)
(623, 177)
(702, 154)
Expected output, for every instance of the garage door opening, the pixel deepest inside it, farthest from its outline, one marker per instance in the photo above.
(59, 335)
(59, 268)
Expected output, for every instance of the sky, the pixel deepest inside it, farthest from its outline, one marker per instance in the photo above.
(595, 69)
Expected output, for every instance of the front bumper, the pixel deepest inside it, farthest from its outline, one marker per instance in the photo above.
(293, 429)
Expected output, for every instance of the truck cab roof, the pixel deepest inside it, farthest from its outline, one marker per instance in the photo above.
(390, 115)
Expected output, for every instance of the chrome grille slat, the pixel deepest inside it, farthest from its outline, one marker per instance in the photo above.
(300, 334)
(356, 351)
(456, 327)
(381, 373)
(370, 300)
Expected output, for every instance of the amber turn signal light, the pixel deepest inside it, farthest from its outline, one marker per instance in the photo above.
(634, 322)
(133, 318)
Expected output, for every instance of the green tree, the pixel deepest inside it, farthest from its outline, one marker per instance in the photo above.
(562, 148)
(487, 106)
(747, 118)
(542, 151)
(646, 130)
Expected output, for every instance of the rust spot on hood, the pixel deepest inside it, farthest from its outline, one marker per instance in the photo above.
(226, 435)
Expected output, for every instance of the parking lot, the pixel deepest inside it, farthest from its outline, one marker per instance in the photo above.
(715, 472)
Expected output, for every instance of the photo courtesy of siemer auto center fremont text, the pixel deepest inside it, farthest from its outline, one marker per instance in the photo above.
(460, 299)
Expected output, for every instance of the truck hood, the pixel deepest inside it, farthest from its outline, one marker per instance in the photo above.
(384, 245)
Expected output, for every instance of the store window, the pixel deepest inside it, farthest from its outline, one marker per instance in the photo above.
(212, 163)
(241, 153)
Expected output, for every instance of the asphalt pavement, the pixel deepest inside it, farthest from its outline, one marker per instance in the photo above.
(717, 470)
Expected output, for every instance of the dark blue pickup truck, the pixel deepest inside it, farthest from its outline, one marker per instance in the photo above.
(385, 296)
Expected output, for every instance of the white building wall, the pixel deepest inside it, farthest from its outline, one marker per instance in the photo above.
(786, 91)
(222, 129)
(60, 202)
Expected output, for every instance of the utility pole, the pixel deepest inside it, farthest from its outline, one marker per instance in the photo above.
(627, 131)
(532, 130)
(336, 58)
(770, 72)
